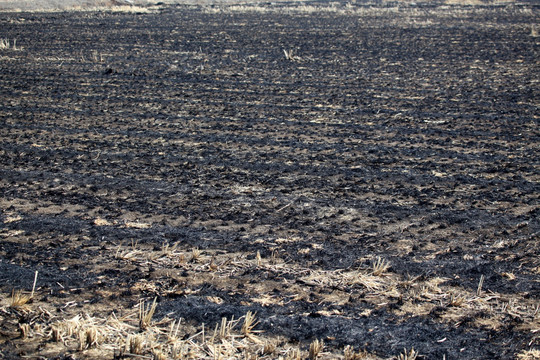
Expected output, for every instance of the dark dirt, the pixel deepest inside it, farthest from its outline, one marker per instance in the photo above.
(409, 134)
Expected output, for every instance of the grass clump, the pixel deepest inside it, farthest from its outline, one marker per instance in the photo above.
(315, 348)
(408, 355)
(380, 266)
(19, 300)
(350, 354)
(5, 44)
(145, 314)
(249, 324)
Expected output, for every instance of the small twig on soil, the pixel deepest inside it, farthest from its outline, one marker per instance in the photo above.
(286, 206)
(480, 283)
(138, 356)
(34, 286)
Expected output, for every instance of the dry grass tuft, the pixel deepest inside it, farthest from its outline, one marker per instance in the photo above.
(129, 254)
(269, 348)
(195, 254)
(145, 314)
(370, 282)
(349, 354)
(135, 344)
(249, 324)
(315, 349)
(289, 55)
(5, 44)
(88, 338)
(167, 250)
(380, 266)
(294, 354)
(456, 300)
(534, 32)
(411, 355)
(172, 334)
(223, 331)
(509, 275)
(157, 354)
(182, 259)
(19, 300)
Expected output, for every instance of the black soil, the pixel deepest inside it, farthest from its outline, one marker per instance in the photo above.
(410, 134)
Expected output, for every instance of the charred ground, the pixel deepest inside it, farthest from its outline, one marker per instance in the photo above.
(376, 184)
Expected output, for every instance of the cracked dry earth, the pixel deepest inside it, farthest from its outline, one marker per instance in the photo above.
(362, 175)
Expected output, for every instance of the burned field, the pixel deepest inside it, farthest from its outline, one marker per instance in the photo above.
(364, 176)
